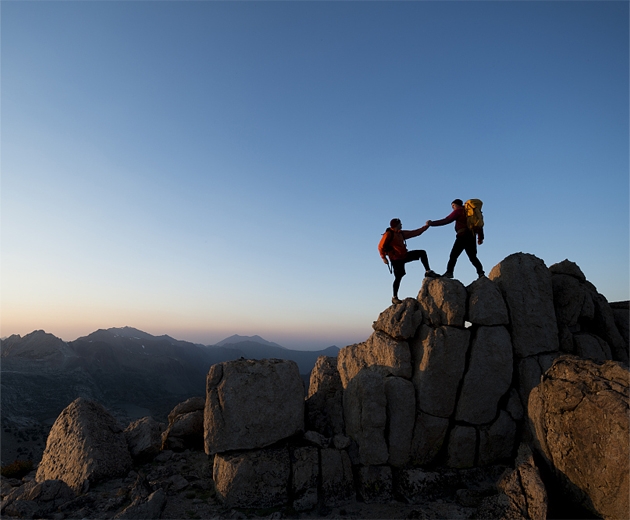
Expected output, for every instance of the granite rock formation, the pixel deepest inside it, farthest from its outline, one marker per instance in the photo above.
(86, 445)
(580, 417)
(252, 404)
(441, 405)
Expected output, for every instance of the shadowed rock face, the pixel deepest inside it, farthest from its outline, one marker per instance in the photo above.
(579, 415)
(439, 360)
(588, 325)
(251, 404)
(364, 403)
(488, 377)
(324, 404)
(254, 478)
(85, 445)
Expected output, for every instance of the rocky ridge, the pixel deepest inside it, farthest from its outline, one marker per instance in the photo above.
(486, 401)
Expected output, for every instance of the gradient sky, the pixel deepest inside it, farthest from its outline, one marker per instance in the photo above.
(203, 169)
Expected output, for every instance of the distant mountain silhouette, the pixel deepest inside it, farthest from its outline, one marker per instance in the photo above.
(41, 374)
(131, 372)
(240, 339)
(305, 359)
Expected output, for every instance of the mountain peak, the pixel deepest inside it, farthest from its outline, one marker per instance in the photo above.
(240, 339)
(130, 332)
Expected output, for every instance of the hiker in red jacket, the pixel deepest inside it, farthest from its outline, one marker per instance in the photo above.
(465, 239)
(393, 244)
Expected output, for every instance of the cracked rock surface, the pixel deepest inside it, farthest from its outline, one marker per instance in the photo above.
(579, 416)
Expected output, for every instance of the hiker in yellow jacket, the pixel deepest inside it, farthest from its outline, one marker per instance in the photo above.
(393, 245)
(465, 239)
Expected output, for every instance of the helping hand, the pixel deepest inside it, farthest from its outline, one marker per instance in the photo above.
(429, 222)
(385, 261)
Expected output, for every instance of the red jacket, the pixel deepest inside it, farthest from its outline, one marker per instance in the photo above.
(393, 242)
(459, 216)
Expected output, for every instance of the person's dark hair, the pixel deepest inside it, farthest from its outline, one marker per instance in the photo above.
(394, 222)
(459, 202)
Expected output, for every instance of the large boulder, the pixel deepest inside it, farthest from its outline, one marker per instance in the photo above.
(85, 445)
(185, 426)
(580, 308)
(365, 406)
(488, 377)
(400, 321)
(324, 403)
(571, 296)
(251, 404)
(439, 359)
(256, 478)
(144, 438)
(381, 351)
(579, 418)
(566, 267)
(194, 404)
(525, 283)
(486, 305)
(443, 301)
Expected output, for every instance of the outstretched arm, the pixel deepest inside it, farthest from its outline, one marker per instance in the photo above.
(414, 232)
(447, 220)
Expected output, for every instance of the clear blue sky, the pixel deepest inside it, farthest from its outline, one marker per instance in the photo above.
(203, 169)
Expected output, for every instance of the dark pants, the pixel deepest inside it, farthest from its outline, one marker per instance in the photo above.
(464, 242)
(399, 266)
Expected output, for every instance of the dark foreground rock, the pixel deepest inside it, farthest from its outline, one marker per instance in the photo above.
(579, 416)
(177, 485)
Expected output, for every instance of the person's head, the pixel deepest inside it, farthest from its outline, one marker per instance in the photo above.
(457, 203)
(395, 223)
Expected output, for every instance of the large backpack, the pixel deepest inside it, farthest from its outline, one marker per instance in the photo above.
(474, 216)
(385, 242)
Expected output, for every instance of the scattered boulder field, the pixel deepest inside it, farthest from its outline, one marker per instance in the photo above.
(508, 398)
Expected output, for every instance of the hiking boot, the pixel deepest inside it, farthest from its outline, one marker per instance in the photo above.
(395, 300)
(447, 274)
(431, 274)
